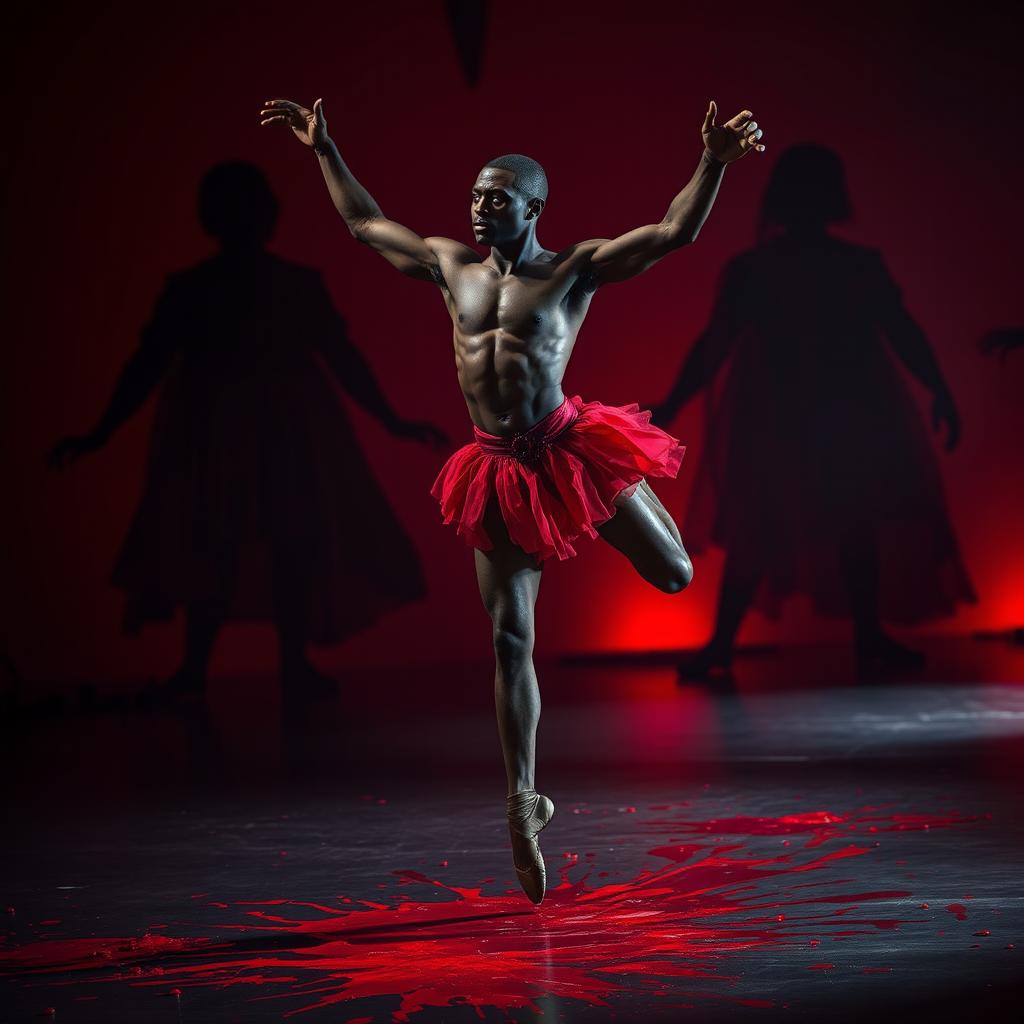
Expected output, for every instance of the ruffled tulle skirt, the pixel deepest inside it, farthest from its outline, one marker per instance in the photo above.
(558, 480)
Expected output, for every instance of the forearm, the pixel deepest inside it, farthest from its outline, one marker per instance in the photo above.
(912, 348)
(353, 372)
(698, 370)
(134, 385)
(691, 206)
(351, 200)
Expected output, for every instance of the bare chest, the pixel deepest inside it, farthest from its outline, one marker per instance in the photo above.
(519, 305)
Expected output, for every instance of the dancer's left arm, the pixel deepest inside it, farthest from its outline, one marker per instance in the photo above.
(618, 259)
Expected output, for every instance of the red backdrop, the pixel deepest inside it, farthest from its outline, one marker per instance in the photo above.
(115, 113)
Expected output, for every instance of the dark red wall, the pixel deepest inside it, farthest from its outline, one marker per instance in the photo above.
(113, 115)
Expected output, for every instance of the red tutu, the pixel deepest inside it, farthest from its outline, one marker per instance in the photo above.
(557, 480)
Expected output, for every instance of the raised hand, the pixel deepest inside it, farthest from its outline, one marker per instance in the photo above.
(733, 139)
(309, 126)
(1003, 340)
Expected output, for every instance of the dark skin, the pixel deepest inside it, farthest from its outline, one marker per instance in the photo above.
(516, 312)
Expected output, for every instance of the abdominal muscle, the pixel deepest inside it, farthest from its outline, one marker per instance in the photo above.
(509, 384)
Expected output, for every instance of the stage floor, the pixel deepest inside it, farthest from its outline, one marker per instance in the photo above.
(793, 847)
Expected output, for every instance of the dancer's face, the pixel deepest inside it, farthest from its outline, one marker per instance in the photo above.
(498, 212)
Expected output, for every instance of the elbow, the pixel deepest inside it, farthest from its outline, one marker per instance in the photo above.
(360, 228)
(677, 236)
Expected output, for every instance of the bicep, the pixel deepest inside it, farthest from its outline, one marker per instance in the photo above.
(400, 246)
(616, 259)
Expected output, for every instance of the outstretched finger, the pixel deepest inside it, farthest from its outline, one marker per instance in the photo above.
(709, 117)
(279, 119)
(740, 119)
(287, 104)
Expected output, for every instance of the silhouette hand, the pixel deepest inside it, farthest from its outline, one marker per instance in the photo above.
(944, 409)
(1003, 341)
(737, 137)
(69, 449)
(309, 126)
(420, 430)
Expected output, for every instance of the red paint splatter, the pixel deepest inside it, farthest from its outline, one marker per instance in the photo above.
(676, 923)
(959, 909)
(821, 967)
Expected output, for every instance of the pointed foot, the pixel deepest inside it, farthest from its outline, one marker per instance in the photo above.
(528, 815)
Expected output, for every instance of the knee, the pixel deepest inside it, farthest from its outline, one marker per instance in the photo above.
(678, 575)
(513, 641)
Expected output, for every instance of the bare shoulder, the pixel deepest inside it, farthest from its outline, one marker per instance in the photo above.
(579, 253)
(449, 249)
(575, 262)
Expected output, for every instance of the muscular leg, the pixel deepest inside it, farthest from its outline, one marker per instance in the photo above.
(509, 581)
(645, 533)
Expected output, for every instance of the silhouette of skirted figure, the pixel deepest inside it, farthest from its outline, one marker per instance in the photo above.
(258, 503)
(817, 474)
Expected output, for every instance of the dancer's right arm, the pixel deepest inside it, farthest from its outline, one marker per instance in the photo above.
(402, 248)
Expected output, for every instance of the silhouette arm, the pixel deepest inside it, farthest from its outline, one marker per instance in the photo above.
(353, 373)
(911, 346)
(618, 259)
(144, 369)
(714, 344)
(905, 335)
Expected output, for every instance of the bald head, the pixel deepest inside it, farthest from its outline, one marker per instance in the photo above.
(529, 177)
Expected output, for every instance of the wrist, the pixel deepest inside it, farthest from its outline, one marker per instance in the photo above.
(323, 148)
(712, 159)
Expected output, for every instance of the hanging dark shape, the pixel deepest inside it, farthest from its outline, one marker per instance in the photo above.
(468, 21)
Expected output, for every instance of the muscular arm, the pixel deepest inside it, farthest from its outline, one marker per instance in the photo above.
(401, 247)
(630, 254)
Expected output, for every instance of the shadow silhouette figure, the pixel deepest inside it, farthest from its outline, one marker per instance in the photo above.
(258, 503)
(818, 475)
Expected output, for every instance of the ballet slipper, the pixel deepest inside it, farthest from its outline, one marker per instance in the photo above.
(528, 814)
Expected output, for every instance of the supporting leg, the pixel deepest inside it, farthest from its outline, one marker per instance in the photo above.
(509, 581)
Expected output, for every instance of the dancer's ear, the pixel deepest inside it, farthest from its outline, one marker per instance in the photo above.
(534, 208)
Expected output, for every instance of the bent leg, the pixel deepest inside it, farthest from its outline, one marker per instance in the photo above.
(645, 533)
(509, 581)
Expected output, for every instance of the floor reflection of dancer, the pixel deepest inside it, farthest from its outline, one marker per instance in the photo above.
(258, 502)
(817, 474)
(544, 468)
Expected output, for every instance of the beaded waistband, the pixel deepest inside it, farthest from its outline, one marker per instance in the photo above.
(529, 445)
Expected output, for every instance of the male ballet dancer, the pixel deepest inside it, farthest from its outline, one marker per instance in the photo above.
(543, 468)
